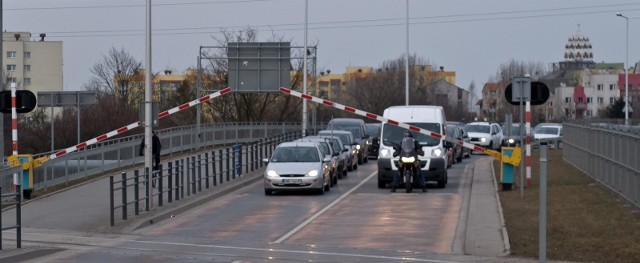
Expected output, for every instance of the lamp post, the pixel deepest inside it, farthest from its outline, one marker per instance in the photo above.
(626, 73)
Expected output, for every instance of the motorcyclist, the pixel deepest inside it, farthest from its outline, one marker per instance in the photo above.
(397, 177)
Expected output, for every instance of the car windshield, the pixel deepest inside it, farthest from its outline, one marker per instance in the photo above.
(345, 138)
(408, 145)
(478, 128)
(392, 133)
(548, 130)
(295, 154)
(354, 129)
(451, 130)
(515, 129)
(373, 130)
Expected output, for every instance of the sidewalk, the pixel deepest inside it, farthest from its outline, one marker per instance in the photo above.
(486, 233)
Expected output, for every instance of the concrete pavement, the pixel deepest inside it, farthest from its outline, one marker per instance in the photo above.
(85, 208)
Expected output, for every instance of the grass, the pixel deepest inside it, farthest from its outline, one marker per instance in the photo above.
(585, 221)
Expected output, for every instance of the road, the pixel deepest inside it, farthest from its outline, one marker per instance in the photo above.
(354, 222)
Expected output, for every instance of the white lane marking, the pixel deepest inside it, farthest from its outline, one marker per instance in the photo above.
(316, 215)
(173, 244)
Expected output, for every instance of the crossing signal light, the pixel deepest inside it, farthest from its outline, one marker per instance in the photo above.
(539, 93)
(25, 101)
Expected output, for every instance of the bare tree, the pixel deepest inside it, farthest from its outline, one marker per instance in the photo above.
(115, 65)
(506, 72)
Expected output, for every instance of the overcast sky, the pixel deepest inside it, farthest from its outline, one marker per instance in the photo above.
(471, 37)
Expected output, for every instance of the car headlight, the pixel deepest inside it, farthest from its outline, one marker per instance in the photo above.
(313, 173)
(511, 141)
(436, 152)
(272, 173)
(358, 146)
(385, 153)
(483, 139)
(408, 159)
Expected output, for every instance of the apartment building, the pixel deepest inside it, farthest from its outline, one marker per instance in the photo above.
(33, 64)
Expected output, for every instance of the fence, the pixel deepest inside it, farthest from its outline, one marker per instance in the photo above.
(123, 152)
(192, 173)
(609, 156)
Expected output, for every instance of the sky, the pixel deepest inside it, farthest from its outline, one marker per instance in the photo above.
(471, 37)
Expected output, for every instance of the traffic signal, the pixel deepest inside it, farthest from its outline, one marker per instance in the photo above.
(25, 101)
(539, 93)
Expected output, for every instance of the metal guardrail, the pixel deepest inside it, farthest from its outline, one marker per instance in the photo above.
(122, 152)
(191, 173)
(610, 156)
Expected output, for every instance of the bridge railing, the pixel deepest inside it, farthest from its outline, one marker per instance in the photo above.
(122, 152)
(610, 156)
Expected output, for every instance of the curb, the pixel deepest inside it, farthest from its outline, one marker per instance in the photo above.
(505, 234)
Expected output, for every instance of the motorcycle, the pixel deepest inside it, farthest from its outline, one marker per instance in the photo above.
(408, 163)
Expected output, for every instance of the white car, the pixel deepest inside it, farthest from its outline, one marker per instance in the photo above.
(485, 134)
(551, 133)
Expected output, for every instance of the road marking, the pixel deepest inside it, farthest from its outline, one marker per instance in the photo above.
(84, 241)
(319, 213)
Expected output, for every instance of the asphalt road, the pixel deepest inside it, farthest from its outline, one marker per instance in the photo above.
(354, 222)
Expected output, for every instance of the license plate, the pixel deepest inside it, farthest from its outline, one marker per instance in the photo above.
(292, 181)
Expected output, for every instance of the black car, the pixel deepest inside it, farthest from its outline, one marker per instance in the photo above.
(357, 128)
(374, 138)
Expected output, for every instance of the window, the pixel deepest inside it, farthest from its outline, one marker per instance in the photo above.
(11, 80)
(567, 99)
(600, 100)
(11, 67)
(27, 55)
(27, 68)
(580, 100)
(27, 81)
(612, 100)
(612, 86)
(589, 113)
(550, 103)
(11, 54)
(589, 100)
(600, 86)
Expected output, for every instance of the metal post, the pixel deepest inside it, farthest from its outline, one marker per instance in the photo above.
(542, 239)
(304, 71)
(124, 195)
(147, 97)
(522, 143)
(170, 181)
(19, 216)
(206, 169)
(111, 202)
(160, 189)
(406, 63)
(199, 106)
(136, 192)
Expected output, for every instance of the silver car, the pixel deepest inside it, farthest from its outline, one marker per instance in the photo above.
(297, 166)
(349, 143)
(327, 150)
(343, 157)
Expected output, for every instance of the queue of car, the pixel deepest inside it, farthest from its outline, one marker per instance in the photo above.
(317, 162)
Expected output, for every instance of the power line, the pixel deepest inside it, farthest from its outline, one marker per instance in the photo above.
(319, 25)
(133, 5)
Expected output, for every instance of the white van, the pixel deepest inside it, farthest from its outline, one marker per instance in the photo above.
(433, 163)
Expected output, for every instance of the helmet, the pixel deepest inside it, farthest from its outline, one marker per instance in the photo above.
(408, 134)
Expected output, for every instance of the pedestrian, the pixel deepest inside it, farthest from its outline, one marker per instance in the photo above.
(156, 147)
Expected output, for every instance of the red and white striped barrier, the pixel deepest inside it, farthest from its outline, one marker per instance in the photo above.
(495, 154)
(14, 128)
(129, 127)
(527, 118)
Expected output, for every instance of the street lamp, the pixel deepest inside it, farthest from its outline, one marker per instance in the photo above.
(626, 73)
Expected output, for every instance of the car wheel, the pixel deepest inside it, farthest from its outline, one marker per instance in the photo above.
(442, 183)
(355, 166)
(344, 173)
(335, 180)
(381, 184)
(459, 158)
(360, 161)
(267, 192)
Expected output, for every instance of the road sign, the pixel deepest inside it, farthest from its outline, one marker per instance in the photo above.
(539, 93)
(25, 101)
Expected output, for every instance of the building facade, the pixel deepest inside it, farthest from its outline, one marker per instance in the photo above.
(34, 65)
